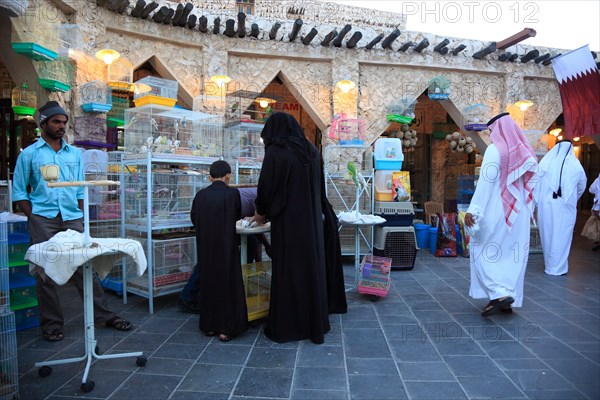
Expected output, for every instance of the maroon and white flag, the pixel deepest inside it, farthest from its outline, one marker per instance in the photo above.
(579, 84)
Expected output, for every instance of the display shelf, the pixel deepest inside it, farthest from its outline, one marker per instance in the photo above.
(342, 192)
(156, 197)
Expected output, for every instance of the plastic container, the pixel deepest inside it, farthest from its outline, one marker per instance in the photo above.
(383, 185)
(158, 100)
(433, 240)
(422, 233)
(26, 318)
(395, 213)
(388, 154)
(257, 285)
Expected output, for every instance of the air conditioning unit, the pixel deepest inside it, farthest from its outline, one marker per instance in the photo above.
(398, 243)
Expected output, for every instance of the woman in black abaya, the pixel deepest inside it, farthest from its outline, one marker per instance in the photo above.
(290, 195)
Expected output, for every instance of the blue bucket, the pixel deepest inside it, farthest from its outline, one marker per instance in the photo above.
(422, 234)
(432, 240)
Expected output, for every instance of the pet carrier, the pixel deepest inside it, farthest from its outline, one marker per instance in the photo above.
(398, 243)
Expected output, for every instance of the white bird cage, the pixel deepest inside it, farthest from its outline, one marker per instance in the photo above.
(439, 88)
(158, 87)
(120, 75)
(403, 112)
(242, 143)
(96, 96)
(177, 132)
(56, 75)
(71, 39)
(476, 116)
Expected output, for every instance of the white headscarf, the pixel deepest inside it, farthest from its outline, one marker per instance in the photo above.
(558, 167)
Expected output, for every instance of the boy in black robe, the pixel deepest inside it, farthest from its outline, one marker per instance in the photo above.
(221, 299)
(290, 194)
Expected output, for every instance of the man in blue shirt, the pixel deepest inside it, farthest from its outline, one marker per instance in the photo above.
(52, 210)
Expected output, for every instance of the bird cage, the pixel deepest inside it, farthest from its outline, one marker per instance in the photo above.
(439, 88)
(403, 112)
(24, 100)
(153, 90)
(33, 39)
(89, 129)
(177, 132)
(476, 117)
(55, 75)
(348, 131)
(242, 143)
(71, 39)
(120, 75)
(96, 96)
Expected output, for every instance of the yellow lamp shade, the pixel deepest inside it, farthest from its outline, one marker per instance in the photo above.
(524, 104)
(346, 85)
(107, 55)
(264, 101)
(220, 80)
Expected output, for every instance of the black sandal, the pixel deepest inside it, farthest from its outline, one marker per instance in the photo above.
(497, 304)
(506, 310)
(224, 338)
(56, 335)
(119, 324)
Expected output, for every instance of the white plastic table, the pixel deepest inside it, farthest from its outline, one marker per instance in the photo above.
(244, 232)
(91, 351)
(357, 225)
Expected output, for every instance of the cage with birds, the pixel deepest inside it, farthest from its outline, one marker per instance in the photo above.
(439, 88)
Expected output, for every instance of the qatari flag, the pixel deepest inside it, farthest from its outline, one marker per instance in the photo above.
(579, 84)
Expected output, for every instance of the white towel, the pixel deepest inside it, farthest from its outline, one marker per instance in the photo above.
(351, 217)
(60, 256)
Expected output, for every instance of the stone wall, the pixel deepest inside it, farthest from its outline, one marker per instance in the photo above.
(383, 76)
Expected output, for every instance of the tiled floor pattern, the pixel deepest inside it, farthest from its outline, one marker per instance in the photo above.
(426, 340)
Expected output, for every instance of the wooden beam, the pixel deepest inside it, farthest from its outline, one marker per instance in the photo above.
(530, 56)
(485, 51)
(169, 17)
(541, 58)
(183, 20)
(516, 38)
(191, 22)
(148, 9)
(458, 49)
(138, 9)
(203, 24)
(406, 46)
(178, 12)
(373, 42)
(311, 35)
(274, 29)
(241, 31)
(337, 42)
(295, 29)
(328, 38)
(351, 43)
(422, 45)
(217, 25)
(441, 45)
(229, 28)
(161, 14)
(387, 42)
(254, 30)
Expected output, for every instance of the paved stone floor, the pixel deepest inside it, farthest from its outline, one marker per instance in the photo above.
(425, 340)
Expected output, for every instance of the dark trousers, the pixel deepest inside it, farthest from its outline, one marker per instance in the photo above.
(42, 229)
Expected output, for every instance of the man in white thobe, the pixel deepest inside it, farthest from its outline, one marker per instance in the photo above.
(499, 217)
(562, 182)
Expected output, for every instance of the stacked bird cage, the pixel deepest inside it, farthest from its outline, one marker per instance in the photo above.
(403, 112)
(9, 373)
(96, 96)
(439, 88)
(55, 75)
(153, 90)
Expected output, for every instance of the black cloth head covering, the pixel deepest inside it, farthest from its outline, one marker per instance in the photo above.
(283, 130)
(49, 109)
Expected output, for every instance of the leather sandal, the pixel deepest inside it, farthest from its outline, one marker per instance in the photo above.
(497, 304)
(56, 335)
(119, 324)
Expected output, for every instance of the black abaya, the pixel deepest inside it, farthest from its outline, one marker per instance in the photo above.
(290, 195)
(221, 297)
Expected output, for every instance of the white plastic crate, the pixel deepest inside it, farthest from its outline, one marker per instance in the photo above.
(159, 87)
(396, 213)
(398, 243)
